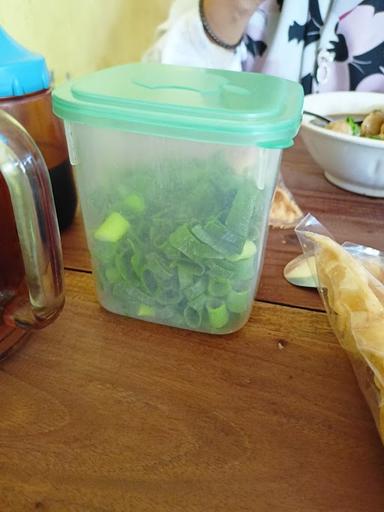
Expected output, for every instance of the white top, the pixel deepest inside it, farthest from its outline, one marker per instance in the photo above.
(324, 44)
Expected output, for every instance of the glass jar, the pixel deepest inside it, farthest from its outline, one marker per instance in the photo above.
(31, 275)
(25, 94)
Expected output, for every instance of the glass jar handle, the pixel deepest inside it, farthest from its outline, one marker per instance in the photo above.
(27, 178)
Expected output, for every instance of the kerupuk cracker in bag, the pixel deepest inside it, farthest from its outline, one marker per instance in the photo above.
(353, 297)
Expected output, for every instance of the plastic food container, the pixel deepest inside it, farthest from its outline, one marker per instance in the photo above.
(176, 169)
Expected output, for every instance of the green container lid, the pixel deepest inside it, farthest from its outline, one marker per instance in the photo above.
(186, 103)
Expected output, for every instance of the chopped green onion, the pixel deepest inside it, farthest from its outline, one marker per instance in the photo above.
(218, 287)
(219, 237)
(220, 269)
(240, 214)
(113, 228)
(168, 296)
(353, 125)
(238, 300)
(135, 203)
(248, 251)
(175, 239)
(183, 240)
(192, 292)
(217, 313)
(112, 275)
(148, 278)
(244, 269)
(192, 317)
(185, 275)
(145, 310)
(158, 266)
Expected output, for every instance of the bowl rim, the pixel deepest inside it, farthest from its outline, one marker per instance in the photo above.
(376, 97)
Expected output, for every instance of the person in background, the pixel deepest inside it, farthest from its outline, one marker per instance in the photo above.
(326, 45)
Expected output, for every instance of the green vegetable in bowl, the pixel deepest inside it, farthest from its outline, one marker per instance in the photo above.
(371, 126)
(180, 244)
(355, 127)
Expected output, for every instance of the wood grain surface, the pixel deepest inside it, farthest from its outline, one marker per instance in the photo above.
(101, 413)
(349, 217)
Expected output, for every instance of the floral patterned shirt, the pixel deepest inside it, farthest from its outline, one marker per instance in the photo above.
(327, 45)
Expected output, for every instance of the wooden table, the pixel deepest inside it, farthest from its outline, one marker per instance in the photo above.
(103, 413)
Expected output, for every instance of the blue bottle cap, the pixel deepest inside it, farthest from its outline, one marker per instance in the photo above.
(21, 71)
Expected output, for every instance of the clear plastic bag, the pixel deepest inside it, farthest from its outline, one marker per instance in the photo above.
(350, 280)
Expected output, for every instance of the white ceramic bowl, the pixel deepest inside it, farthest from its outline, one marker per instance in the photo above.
(352, 163)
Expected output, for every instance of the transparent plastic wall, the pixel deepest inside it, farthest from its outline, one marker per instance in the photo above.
(176, 228)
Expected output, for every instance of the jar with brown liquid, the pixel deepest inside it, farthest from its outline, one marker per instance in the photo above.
(25, 94)
(31, 267)
(31, 280)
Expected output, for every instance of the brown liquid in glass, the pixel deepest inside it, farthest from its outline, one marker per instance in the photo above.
(34, 113)
(11, 261)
